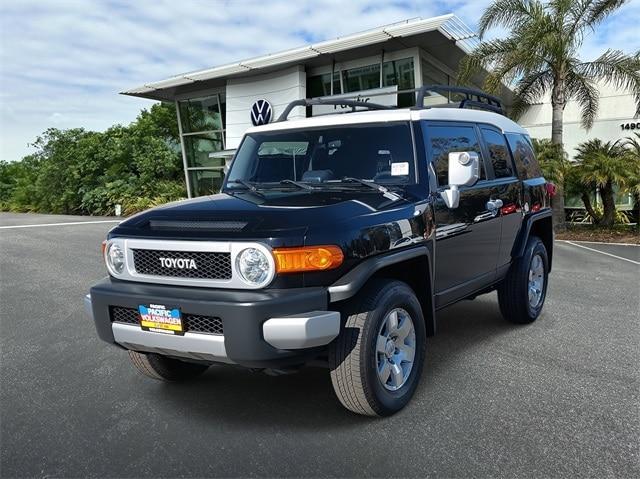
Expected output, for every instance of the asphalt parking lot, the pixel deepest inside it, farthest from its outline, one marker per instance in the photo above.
(557, 398)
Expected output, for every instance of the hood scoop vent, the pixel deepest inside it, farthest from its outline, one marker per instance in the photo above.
(219, 226)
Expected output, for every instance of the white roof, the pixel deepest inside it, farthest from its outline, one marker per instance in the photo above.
(449, 25)
(406, 114)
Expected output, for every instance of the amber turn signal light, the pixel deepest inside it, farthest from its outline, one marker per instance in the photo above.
(308, 258)
(103, 247)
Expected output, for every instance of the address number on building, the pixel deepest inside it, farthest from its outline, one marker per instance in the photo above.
(630, 126)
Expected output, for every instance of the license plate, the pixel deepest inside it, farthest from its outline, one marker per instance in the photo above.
(159, 318)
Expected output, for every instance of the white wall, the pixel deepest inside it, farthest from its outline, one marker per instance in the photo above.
(616, 107)
(278, 88)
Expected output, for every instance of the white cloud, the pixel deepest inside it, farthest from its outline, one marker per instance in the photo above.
(63, 63)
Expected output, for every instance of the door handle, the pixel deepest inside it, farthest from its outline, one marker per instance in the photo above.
(494, 205)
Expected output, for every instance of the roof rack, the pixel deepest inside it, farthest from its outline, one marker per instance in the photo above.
(332, 101)
(472, 99)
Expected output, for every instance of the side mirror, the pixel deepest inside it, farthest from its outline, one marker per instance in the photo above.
(464, 170)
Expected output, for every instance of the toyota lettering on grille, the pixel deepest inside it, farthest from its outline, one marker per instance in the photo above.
(179, 263)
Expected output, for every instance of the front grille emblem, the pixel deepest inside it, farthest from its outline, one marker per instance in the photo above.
(179, 263)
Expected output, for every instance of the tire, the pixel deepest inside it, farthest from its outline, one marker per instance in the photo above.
(516, 305)
(163, 368)
(355, 355)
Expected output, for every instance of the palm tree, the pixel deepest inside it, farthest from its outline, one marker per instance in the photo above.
(553, 160)
(603, 165)
(632, 143)
(541, 56)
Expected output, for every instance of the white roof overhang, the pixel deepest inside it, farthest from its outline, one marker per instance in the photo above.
(448, 30)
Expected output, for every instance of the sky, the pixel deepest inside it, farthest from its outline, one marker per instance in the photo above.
(63, 63)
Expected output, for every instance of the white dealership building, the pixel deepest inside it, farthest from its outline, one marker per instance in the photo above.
(215, 105)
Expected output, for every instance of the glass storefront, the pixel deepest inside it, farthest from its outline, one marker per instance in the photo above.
(362, 78)
(400, 72)
(198, 146)
(353, 80)
(206, 181)
(202, 123)
(320, 85)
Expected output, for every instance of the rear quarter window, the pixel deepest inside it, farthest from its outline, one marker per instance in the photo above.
(524, 156)
(498, 153)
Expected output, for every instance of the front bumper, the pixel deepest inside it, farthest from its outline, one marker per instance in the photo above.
(262, 329)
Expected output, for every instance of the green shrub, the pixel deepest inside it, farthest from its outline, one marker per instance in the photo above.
(84, 172)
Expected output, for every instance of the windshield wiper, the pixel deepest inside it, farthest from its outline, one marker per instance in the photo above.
(248, 185)
(302, 186)
(385, 191)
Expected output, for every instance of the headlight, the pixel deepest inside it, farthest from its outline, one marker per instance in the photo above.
(114, 257)
(253, 266)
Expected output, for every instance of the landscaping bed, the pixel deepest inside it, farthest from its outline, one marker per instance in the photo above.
(615, 234)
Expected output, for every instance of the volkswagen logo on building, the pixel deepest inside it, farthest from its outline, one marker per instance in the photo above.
(261, 112)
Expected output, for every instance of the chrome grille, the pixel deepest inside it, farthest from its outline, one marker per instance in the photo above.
(209, 265)
(192, 322)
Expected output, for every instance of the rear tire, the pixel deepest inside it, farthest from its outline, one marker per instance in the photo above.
(377, 360)
(522, 293)
(163, 368)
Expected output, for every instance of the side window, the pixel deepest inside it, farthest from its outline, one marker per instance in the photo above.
(446, 139)
(498, 153)
(525, 158)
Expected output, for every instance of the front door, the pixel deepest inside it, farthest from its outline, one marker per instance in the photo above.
(467, 237)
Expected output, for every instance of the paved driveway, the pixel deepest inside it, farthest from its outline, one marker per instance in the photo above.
(557, 398)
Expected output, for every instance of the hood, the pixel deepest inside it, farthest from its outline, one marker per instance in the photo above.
(246, 214)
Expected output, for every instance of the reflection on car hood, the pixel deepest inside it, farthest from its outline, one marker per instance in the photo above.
(247, 214)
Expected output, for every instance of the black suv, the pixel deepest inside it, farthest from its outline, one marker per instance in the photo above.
(334, 241)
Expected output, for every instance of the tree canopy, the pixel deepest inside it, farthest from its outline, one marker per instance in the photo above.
(79, 171)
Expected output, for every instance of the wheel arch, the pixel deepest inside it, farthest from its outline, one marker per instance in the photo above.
(412, 266)
(537, 224)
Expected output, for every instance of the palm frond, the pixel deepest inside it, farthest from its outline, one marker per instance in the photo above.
(507, 13)
(617, 68)
(530, 89)
(633, 143)
(486, 55)
(599, 10)
(583, 90)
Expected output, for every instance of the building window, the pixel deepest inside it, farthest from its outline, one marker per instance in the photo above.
(201, 114)
(400, 72)
(395, 72)
(320, 85)
(205, 182)
(202, 123)
(361, 78)
(198, 146)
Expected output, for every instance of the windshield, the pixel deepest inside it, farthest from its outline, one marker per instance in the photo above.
(379, 153)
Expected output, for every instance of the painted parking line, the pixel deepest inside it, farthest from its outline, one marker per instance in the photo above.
(602, 252)
(604, 242)
(58, 224)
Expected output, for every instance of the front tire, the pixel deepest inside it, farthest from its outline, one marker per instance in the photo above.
(163, 368)
(522, 293)
(377, 360)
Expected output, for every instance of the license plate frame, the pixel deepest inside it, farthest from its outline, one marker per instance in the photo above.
(160, 318)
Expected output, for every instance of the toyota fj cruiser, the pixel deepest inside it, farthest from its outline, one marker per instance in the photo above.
(334, 241)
